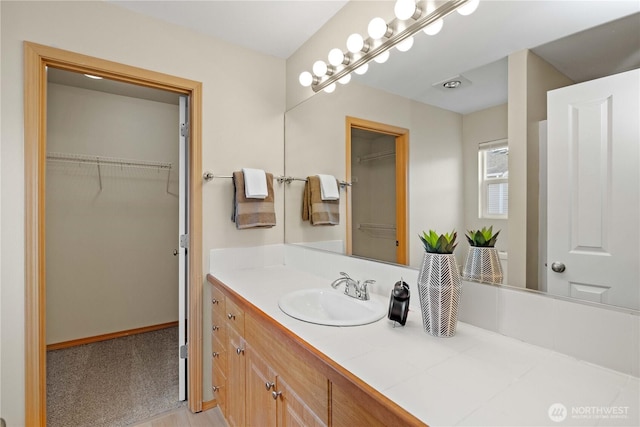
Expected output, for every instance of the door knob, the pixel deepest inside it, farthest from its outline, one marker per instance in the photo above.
(175, 252)
(558, 267)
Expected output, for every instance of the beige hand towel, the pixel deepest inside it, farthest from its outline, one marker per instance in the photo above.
(252, 213)
(316, 210)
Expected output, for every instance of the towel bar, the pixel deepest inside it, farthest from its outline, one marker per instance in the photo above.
(289, 179)
(209, 176)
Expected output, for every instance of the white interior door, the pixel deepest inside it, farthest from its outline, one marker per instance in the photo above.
(183, 245)
(594, 190)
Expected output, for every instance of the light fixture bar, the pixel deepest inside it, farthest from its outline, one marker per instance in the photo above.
(396, 38)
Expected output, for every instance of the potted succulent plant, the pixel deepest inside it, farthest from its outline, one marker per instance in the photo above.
(439, 284)
(483, 263)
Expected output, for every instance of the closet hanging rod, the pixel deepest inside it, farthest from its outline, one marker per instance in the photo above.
(105, 161)
(376, 156)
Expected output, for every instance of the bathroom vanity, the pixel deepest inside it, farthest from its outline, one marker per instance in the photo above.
(269, 368)
(264, 374)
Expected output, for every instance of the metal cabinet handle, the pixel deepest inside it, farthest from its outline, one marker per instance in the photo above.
(269, 385)
(239, 351)
(558, 267)
(231, 316)
(175, 252)
(276, 394)
(215, 301)
(215, 388)
(215, 354)
(215, 328)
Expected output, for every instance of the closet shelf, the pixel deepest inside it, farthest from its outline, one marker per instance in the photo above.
(378, 230)
(376, 156)
(100, 161)
(106, 161)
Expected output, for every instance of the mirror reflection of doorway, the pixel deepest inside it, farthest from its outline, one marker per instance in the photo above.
(377, 169)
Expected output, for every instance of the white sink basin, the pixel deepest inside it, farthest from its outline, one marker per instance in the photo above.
(331, 307)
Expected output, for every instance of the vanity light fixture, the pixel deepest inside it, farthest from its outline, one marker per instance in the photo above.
(411, 17)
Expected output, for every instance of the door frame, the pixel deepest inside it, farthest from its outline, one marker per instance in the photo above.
(402, 170)
(36, 58)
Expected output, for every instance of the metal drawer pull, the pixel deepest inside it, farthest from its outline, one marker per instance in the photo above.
(269, 385)
(215, 388)
(276, 394)
(231, 316)
(239, 351)
(215, 301)
(215, 354)
(215, 328)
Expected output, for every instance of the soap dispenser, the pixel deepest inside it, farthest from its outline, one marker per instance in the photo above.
(399, 302)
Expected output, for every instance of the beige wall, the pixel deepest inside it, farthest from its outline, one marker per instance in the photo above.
(315, 143)
(109, 251)
(481, 126)
(242, 127)
(529, 80)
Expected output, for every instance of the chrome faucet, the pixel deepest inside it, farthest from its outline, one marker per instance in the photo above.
(353, 288)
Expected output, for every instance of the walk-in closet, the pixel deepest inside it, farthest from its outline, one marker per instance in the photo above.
(112, 250)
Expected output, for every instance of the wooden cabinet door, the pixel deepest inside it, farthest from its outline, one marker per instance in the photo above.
(235, 378)
(292, 411)
(261, 382)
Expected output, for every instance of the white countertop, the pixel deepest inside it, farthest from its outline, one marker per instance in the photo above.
(476, 378)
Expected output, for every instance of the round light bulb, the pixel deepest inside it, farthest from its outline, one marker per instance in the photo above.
(344, 80)
(305, 79)
(382, 58)
(361, 69)
(355, 43)
(405, 44)
(319, 68)
(469, 7)
(336, 57)
(404, 9)
(434, 28)
(330, 88)
(377, 28)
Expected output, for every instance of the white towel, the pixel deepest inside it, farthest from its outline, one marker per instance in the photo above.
(329, 187)
(255, 183)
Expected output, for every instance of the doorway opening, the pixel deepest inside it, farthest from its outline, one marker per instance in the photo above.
(114, 199)
(37, 59)
(377, 167)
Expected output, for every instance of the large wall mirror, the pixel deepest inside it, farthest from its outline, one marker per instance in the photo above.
(577, 41)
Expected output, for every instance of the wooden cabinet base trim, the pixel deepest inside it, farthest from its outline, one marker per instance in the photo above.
(209, 404)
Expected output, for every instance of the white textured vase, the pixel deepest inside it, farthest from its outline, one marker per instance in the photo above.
(483, 265)
(439, 290)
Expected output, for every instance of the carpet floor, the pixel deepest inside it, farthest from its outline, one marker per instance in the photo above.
(115, 382)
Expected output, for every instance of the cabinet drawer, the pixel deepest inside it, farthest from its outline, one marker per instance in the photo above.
(235, 316)
(219, 353)
(219, 330)
(219, 387)
(218, 307)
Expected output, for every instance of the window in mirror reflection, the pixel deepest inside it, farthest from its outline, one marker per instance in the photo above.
(493, 179)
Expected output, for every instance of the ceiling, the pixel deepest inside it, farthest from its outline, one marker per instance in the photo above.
(274, 27)
(565, 33)
(471, 48)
